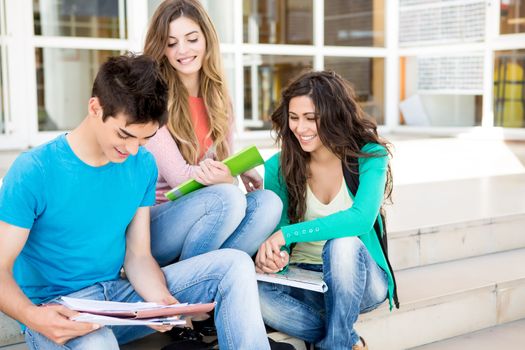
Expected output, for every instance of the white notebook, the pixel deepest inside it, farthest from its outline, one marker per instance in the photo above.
(298, 278)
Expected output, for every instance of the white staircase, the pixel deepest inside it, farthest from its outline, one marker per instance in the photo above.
(458, 248)
(459, 251)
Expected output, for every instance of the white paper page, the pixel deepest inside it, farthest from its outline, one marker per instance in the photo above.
(115, 321)
(102, 305)
(296, 277)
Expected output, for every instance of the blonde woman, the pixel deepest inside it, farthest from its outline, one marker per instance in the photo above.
(183, 40)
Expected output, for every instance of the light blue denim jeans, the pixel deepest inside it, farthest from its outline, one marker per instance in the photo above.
(356, 284)
(218, 216)
(226, 276)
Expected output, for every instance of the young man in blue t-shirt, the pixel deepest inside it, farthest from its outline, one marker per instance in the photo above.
(74, 211)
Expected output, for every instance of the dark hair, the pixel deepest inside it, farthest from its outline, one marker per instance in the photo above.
(341, 125)
(132, 85)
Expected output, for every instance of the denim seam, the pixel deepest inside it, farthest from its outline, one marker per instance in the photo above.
(247, 223)
(32, 339)
(197, 281)
(293, 300)
(226, 318)
(217, 222)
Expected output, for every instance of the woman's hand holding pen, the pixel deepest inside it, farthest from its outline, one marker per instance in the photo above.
(211, 172)
(270, 258)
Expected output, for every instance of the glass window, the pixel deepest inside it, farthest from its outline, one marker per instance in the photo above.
(64, 81)
(264, 78)
(220, 12)
(228, 61)
(367, 77)
(434, 22)
(509, 89)
(2, 108)
(512, 17)
(80, 18)
(441, 91)
(278, 22)
(354, 22)
(2, 65)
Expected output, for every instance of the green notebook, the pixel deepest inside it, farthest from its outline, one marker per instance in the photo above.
(238, 163)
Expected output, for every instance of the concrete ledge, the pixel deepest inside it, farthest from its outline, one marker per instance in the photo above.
(436, 244)
(449, 299)
(9, 331)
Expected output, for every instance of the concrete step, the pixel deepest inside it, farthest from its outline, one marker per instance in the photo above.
(447, 242)
(9, 331)
(510, 336)
(449, 220)
(449, 299)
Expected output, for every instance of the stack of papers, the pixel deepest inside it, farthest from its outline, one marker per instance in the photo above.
(298, 278)
(111, 313)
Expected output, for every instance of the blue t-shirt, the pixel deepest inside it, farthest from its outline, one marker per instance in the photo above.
(77, 215)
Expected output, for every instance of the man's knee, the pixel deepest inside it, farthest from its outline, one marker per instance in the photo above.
(102, 339)
(238, 261)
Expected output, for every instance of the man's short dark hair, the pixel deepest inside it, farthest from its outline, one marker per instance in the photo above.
(132, 85)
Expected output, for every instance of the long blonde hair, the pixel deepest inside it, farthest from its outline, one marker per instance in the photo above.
(212, 85)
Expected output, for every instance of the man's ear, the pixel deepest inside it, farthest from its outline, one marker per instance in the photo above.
(94, 108)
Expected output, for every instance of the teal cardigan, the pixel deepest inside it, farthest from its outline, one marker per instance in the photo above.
(358, 220)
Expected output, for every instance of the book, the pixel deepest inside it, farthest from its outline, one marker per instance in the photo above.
(298, 278)
(119, 313)
(238, 163)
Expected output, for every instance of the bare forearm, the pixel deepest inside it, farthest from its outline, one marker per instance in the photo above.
(147, 278)
(13, 302)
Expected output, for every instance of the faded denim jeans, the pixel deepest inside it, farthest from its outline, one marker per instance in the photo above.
(356, 284)
(226, 276)
(218, 216)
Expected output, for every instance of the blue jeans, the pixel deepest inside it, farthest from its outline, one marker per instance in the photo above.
(214, 217)
(226, 276)
(356, 284)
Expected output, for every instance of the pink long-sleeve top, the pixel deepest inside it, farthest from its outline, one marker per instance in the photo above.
(173, 168)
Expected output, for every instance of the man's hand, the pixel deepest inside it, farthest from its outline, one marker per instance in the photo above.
(211, 172)
(53, 321)
(270, 258)
(168, 300)
(252, 180)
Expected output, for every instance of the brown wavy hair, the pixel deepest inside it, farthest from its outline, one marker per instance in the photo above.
(212, 86)
(342, 127)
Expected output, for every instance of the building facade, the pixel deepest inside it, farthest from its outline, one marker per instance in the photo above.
(423, 66)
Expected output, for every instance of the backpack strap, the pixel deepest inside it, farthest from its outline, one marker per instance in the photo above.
(351, 176)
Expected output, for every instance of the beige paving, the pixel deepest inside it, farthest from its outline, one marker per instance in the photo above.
(510, 336)
(445, 202)
(449, 299)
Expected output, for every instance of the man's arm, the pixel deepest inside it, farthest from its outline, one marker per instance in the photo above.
(51, 321)
(141, 269)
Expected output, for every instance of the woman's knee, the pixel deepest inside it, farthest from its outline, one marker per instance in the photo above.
(227, 198)
(266, 200)
(345, 249)
(343, 260)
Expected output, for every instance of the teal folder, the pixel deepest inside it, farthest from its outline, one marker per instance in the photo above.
(238, 163)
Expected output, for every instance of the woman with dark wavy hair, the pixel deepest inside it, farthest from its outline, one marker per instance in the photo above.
(326, 140)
